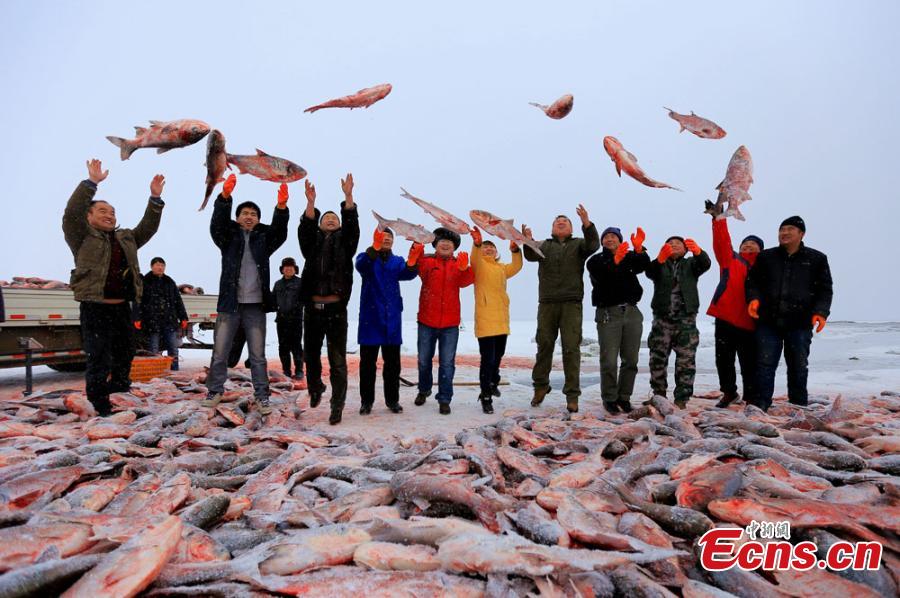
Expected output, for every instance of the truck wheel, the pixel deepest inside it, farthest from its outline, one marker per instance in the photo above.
(73, 366)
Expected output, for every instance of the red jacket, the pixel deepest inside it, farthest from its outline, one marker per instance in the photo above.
(439, 297)
(729, 302)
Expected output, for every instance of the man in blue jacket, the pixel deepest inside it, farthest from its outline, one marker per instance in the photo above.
(244, 288)
(380, 310)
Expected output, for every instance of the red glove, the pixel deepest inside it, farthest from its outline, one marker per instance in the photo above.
(137, 324)
(513, 246)
(377, 239)
(818, 323)
(415, 252)
(184, 324)
(462, 260)
(692, 246)
(664, 253)
(282, 196)
(637, 240)
(620, 253)
(476, 236)
(753, 309)
(228, 187)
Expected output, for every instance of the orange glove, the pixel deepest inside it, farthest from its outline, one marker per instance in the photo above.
(753, 309)
(462, 260)
(513, 246)
(137, 324)
(620, 253)
(818, 323)
(228, 187)
(415, 252)
(476, 236)
(664, 253)
(184, 324)
(377, 239)
(282, 196)
(692, 246)
(637, 240)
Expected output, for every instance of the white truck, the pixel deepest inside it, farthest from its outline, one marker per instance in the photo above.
(51, 319)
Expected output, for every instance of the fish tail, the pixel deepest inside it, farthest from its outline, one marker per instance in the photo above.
(126, 148)
(669, 109)
(381, 220)
(536, 105)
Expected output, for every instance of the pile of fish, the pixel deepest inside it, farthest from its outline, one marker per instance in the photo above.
(166, 498)
(33, 282)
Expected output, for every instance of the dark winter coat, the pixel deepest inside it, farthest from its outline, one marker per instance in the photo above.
(380, 303)
(791, 288)
(615, 284)
(161, 308)
(561, 270)
(229, 238)
(689, 269)
(287, 298)
(329, 256)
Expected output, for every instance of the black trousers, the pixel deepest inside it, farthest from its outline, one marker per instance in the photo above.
(368, 356)
(492, 349)
(290, 344)
(320, 324)
(108, 341)
(731, 341)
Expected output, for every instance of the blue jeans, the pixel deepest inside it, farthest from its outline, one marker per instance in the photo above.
(769, 343)
(170, 340)
(446, 340)
(252, 318)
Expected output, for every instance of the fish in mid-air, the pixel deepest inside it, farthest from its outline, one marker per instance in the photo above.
(734, 188)
(216, 162)
(266, 167)
(503, 228)
(361, 99)
(627, 162)
(558, 109)
(699, 126)
(162, 135)
(407, 230)
(447, 220)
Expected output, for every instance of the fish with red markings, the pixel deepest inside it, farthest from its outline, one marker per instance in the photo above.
(266, 167)
(503, 228)
(627, 162)
(164, 136)
(734, 188)
(409, 231)
(699, 126)
(216, 163)
(361, 99)
(558, 109)
(445, 218)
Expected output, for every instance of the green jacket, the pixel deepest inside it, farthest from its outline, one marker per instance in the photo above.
(91, 247)
(561, 270)
(663, 276)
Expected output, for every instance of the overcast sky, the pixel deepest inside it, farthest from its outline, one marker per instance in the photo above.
(811, 88)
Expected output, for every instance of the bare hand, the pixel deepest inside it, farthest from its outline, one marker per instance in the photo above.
(527, 232)
(582, 213)
(156, 185)
(347, 188)
(95, 171)
(310, 193)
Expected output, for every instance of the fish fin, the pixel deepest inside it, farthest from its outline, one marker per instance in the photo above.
(536, 105)
(618, 169)
(126, 148)
(139, 131)
(162, 150)
(156, 122)
(632, 156)
(734, 212)
(511, 221)
(259, 152)
(692, 113)
(680, 128)
(421, 503)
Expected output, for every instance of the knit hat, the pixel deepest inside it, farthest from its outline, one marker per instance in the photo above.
(288, 261)
(675, 237)
(158, 259)
(795, 221)
(445, 233)
(756, 240)
(614, 230)
(247, 204)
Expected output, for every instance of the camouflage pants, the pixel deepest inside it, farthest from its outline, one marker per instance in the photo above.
(677, 334)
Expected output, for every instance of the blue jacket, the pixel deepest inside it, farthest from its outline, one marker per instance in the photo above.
(380, 303)
(228, 237)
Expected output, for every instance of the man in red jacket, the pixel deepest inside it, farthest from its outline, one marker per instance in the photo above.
(734, 326)
(443, 275)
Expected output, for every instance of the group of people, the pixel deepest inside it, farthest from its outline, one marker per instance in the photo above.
(767, 301)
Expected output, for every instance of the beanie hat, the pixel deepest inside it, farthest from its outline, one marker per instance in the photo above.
(288, 261)
(614, 230)
(677, 238)
(756, 240)
(158, 259)
(795, 221)
(247, 204)
(445, 233)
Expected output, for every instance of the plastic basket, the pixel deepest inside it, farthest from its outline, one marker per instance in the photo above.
(144, 369)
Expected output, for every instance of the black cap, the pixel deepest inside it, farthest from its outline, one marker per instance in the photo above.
(288, 261)
(795, 221)
(158, 259)
(675, 237)
(445, 233)
(755, 239)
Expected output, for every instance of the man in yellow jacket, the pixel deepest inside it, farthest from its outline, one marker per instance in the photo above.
(491, 311)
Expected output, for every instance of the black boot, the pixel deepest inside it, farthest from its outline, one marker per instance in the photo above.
(420, 398)
(495, 391)
(365, 409)
(335, 417)
(444, 409)
(611, 408)
(624, 405)
(487, 404)
(726, 400)
(395, 408)
(315, 397)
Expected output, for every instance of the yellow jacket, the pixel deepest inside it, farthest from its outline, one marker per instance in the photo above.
(491, 300)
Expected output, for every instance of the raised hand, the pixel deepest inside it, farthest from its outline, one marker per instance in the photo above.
(637, 240)
(664, 253)
(310, 191)
(347, 188)
(462, 260)
(415, 252)
(582, 213)
(527, 232)
(692, 246)
(513, 246)
(377, 240)
(229, 185)
(282, 195)
(476, 236)
(620, 253)
(95, 171)
(156, 185)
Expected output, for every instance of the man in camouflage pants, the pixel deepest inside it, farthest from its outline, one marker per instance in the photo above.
(675, 305)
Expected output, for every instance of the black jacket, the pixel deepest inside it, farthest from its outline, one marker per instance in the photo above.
(228, 237)
(329, 257)
(287, 298)
(2, 309)
(790, 288)
(615, 284)
(161, 304)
